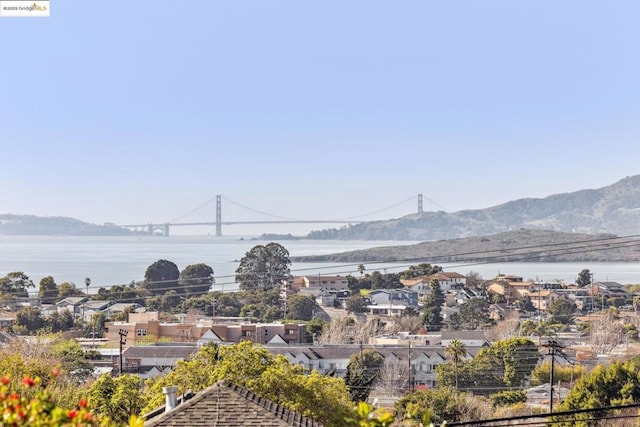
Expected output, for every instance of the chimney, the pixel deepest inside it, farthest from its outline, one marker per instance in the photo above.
(170, 398)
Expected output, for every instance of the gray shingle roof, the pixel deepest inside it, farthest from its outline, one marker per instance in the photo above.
(225, 404)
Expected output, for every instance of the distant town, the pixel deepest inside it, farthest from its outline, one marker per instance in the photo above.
(509, 346)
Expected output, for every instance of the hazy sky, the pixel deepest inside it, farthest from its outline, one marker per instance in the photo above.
(141, 111)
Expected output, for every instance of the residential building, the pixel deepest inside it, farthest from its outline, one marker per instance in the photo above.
(324, 282)
(147, 328)
(511, 287)
(447, 281)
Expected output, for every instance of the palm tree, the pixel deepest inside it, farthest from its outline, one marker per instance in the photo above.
(456, 350)
(540, 329)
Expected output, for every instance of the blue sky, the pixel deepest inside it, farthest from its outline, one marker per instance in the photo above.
(138, 111)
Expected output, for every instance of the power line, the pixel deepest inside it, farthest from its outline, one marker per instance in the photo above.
(603, 244)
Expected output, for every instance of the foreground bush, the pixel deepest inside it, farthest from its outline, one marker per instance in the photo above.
(27, 403)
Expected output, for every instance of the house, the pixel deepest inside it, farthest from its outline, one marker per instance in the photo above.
(89, 308)
(336, 283)
(387, 309)
(72, 304)
(406, 297)
(541, 300)
(468, 338)
(223, 405)
(141, 359)
(511, 287)
(146, 327)
(447, 281)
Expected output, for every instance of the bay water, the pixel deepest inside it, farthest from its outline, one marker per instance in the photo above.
(120, 260)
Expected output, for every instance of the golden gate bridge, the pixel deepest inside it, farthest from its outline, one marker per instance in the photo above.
(164, 228)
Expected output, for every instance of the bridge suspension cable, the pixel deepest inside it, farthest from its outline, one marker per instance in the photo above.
(260, 212)
(192, 211)
(379, 210)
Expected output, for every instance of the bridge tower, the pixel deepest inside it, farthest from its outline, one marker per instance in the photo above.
(420, 203)
(218, 215)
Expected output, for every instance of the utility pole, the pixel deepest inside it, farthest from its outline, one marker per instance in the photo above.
(554, 350)
(123, 334)
(409, 363)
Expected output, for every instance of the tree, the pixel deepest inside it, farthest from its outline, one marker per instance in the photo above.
(561, 310)
(363, 369)
(584, 278)
(564, 374)
(540, 328)
(524, 304)
(456, 351)
(16, 285)
(420, 270)
(48, 290)
(251, 366)
(301, 307)
(440, 405)
(68, 289)
(472, 315)
(26, 402)
(28, 319)
(263, 267)
(196, 279)
(504, 364)
(356, 304)
(615, 384)
(432, 309)
(161, 277)
(361, 269)
(117, 398)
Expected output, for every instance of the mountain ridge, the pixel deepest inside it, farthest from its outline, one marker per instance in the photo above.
(511, 246)
(613, 209)
(32, 225)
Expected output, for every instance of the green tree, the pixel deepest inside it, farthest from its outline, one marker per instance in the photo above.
(616, 384)
(363, 369)
(263, 267)
(524, 304)
(565, 374)
(47, 290)
(68, 289)
(561, 310)
(508, 397)
(540, 328)
(196, 279)
(28, 319)
(301, 307)
(356, 304)
(161, 277)
(432, 309)
(584, 278)
(440, 405)
(116, 397)
(515, 358)
(16, 285)
(505, 364)
(456, 350)
(420, 270)
(472, 314)
(253, 367)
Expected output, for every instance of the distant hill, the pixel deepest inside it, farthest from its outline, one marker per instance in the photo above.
(613, 209)
(30, 225)
(512, 246)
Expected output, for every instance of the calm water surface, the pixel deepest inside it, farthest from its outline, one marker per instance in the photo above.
(119, 260)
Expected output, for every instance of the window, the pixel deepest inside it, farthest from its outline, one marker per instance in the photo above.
(291, 332)
(246, 333)
(141, 332)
